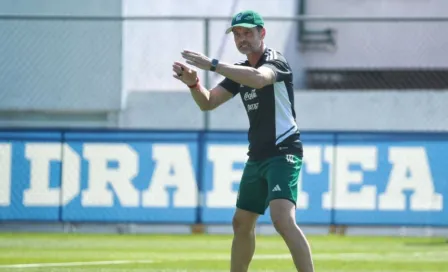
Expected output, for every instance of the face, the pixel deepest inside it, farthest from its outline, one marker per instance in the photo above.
(248, 40)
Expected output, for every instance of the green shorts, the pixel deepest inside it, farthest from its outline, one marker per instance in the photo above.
(265, 180)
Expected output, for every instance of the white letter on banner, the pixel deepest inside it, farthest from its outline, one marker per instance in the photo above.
(5, 174)
(366, 157)
(120, 178)
(313, 164)
(71, 174)
(410, 171)
(40, 193)
(224, 175)
(175, 157)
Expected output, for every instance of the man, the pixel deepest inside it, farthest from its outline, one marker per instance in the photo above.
(264, 82)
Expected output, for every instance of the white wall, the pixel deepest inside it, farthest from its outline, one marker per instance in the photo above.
(361, 8)
(150, 47)
(331, 110)
(382, 44)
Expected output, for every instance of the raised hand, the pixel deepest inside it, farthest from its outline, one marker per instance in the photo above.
(185, 74)
(197, 59)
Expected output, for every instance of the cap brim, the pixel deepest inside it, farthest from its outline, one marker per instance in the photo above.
(246, 25)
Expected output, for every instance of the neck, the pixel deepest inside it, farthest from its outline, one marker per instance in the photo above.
(254, 57)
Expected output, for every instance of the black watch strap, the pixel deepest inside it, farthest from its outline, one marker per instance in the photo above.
(214, 64)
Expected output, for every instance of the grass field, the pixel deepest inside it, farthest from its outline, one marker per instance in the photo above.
(107, 253)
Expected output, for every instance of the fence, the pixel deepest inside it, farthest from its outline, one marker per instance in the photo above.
(82, 64)
(192, 177)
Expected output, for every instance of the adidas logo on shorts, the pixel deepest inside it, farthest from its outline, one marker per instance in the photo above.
(276, 188)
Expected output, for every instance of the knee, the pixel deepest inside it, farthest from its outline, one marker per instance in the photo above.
(283, 216)
(242, 226)
(283, 223)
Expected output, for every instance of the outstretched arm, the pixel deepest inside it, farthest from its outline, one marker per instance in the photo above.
(212, 99)
(205, 99)
(247, 76)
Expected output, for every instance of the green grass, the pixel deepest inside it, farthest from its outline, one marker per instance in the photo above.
(211, 253)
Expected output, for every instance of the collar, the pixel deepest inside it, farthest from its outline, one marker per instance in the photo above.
(263, 56)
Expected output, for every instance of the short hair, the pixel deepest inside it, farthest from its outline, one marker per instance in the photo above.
(259, 28)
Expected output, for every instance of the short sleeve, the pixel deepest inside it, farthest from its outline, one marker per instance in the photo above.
(279, 65)
(230, 86)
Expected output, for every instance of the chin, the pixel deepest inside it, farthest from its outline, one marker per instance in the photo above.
(245, 51)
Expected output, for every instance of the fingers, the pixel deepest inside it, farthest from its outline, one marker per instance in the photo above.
(183, 73)
(178, 69)
(192, 60)
(189, 57)
(196, 59)
(192, 63)
(189, 52)
(180, 64)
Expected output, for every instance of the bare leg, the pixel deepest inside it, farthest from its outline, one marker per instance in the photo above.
(243, 245)
(284, 220)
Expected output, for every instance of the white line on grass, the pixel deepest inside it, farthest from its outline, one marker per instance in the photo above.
(391, 257)
(36, 265)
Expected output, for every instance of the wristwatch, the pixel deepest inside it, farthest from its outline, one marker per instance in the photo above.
(214, 64)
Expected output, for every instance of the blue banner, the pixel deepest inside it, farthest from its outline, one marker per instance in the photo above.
(391, 179)
(130, 177)
(24, 159)
(193, 177)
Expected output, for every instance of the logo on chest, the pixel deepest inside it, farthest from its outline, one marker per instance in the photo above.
(250, 95)
(249, 98)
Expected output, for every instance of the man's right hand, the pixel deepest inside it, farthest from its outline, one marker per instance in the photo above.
(185, 74)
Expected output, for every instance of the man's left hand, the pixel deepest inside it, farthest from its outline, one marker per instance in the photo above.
(197, 59)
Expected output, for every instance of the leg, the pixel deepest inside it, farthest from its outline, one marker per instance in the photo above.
(250, 204)
(283, 217)
(243, 245)
(282, 174)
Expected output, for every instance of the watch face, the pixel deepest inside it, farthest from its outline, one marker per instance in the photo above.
(214, 63)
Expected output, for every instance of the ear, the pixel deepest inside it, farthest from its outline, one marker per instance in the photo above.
(263, 32)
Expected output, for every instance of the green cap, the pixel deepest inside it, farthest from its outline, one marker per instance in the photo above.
(247, 18)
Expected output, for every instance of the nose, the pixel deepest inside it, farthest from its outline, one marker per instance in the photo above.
(241, 39)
